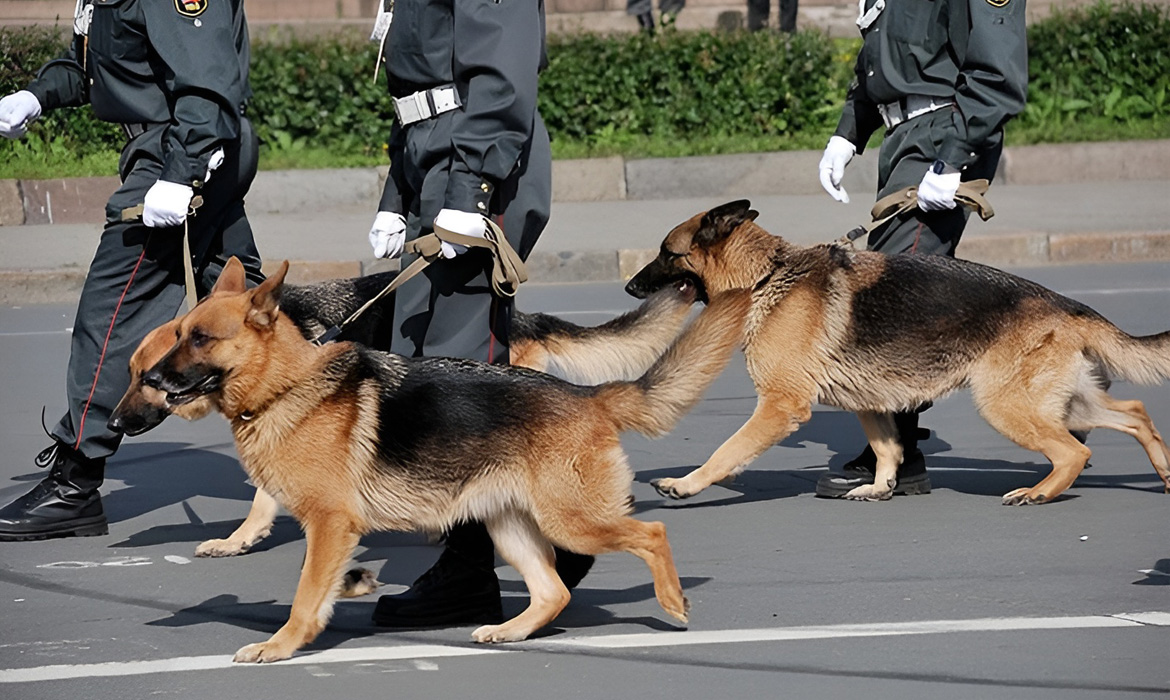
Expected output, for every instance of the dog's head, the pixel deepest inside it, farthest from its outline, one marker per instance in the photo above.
(225, 331)
(143, 407)
(689, 249)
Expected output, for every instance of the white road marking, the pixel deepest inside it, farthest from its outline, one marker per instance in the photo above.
(204, 663)
(419, 652)
(176, 559)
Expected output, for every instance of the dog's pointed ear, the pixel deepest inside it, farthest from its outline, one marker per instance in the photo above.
(266, 299)
(232, 279)
(718, 223)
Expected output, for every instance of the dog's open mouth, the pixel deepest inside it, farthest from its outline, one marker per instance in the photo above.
(205, 386)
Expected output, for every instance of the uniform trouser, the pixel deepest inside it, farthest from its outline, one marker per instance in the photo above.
(450, 310)
(906, 154)
(136, 280)
(641, 7)
(758, 11)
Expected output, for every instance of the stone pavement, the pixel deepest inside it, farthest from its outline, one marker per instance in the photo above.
(1078, 203)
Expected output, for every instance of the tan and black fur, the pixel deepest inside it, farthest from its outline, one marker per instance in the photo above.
(351, 440)
(623, 348)
(878, 334)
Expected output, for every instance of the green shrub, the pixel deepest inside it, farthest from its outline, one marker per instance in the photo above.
(1102, 61)
(675, 93)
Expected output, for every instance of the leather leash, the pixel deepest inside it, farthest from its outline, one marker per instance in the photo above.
(970, 194)
(135, 212)
(508, 270)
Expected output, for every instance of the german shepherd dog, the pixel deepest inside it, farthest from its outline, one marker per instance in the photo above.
(878, 334)
(351, 440)
(623, 348)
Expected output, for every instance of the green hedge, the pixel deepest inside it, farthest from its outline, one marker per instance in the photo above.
(1105, 62)
(1108, 61)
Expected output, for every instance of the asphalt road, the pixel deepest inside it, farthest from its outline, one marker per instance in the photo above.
(949, 595)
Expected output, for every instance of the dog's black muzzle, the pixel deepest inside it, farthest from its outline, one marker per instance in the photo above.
(660, 273)
(186, 386)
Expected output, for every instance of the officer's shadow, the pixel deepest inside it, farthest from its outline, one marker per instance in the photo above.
(161, 474)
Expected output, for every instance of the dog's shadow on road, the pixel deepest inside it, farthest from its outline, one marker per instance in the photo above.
(840, 433)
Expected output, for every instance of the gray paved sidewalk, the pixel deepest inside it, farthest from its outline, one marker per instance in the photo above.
(1113, 219)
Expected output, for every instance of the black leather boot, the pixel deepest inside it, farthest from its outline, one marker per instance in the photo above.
(66, 503)
(911, 479)
(462, 588)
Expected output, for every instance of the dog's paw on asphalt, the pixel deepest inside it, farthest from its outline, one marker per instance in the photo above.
(221, 548)
(665, 487)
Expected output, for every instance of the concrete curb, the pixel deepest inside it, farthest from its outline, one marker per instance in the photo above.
(1023, 249)
(82, 200)
(610, 179)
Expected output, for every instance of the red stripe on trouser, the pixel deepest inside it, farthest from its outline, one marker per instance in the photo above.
(105, 346)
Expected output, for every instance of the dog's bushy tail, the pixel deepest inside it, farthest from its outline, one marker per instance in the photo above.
(1138, 359)
(654, 403)
(621, 349)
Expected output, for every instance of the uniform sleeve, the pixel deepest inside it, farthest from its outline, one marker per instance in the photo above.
(61, 82)
(497, 52)
(860, 117)
(392, 193)
(204, 81)
(993, 77)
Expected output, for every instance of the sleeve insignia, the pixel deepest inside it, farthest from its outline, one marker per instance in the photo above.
(998, 3)
(194, 8)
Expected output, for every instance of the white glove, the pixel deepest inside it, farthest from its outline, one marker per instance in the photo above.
(214, 162)
(463, 222)
(937, 191)
(17, 111)
(388, 234)
(837, 155)
(166, 204)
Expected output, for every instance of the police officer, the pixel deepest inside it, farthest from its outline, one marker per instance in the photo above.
(942, 77)
(468, 143)
(175, 75)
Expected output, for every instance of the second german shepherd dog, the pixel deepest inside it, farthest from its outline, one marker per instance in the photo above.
(622, 348)
(351, 440)
(878, 334)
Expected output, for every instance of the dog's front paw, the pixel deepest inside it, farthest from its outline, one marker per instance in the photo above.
(262, 653)
(222, 548)
(1024, 497)
(671, 488)
(870, 492)
(495, 634)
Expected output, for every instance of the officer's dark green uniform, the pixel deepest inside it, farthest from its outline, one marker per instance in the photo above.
(468, 138)
(970, 57)
(943, 76)
(175, 73)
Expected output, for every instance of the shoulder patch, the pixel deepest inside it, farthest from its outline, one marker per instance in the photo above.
(194, 8)
(998, 3)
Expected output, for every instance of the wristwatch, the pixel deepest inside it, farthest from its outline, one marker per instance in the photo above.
(938, 167)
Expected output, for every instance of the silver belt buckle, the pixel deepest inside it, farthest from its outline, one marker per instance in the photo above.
(892, 114)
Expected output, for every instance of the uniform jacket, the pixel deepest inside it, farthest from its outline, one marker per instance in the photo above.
(974, 51)
(492, 52)
(178, 63)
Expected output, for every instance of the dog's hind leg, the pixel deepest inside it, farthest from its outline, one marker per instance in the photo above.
(1023, 422)
(773, 420)
(330, 542)
(255, 527)
(647, 541)
(1130, 417)
(521, 544)
(883, 438)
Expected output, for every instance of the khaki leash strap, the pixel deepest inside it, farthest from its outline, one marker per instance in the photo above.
(135, 212)
(970, 194)
(508, 270)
